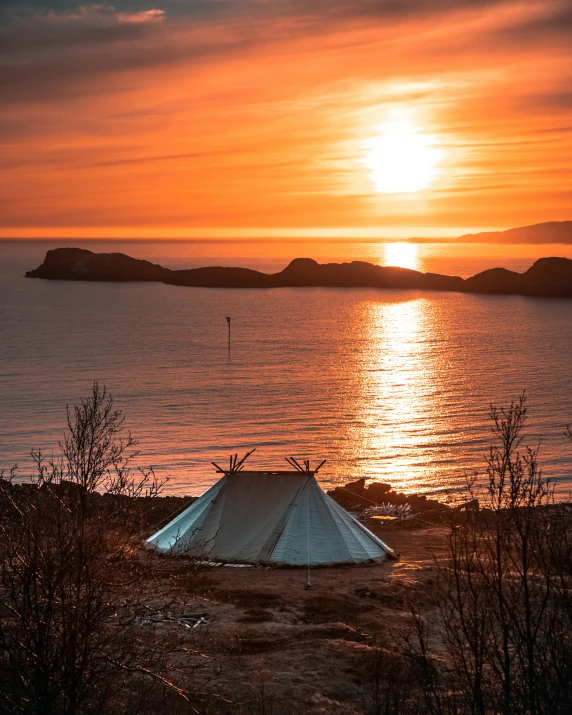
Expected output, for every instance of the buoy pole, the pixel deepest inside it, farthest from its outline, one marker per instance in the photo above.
(228, 321)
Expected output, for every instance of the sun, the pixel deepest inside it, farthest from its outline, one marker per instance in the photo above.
(402, 159)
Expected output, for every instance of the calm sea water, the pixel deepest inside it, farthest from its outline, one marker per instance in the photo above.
(389, 385)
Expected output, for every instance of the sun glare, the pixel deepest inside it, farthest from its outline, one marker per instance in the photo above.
(401, 159)
(403, 255)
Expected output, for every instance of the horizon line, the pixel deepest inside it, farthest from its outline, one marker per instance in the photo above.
(342, 234)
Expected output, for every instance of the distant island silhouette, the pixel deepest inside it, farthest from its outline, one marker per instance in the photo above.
(547, 277)
(547, 232)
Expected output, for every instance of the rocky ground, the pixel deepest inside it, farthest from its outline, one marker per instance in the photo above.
(266, 643)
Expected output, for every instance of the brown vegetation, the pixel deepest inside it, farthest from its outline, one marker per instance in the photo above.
(504, 595)
(67, 568)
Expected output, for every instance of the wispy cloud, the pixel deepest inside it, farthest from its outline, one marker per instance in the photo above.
(255, 113)
(96, 14)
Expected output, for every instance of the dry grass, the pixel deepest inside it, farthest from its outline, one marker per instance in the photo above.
(274, 646)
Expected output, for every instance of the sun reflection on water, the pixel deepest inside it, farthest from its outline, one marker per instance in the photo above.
(398, 379)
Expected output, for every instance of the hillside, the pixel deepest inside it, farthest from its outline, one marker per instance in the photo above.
(549, 232)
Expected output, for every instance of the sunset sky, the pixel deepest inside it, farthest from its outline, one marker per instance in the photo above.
(275, 117)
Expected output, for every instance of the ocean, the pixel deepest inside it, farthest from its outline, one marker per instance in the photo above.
(384, 384)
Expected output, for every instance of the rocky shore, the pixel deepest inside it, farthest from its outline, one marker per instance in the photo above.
(358, 496)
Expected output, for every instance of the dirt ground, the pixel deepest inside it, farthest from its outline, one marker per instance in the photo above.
(269, 644)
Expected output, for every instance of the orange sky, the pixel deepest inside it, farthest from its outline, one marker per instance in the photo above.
(230, 118)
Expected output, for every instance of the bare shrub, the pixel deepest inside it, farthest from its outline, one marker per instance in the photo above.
(505, 597)
(391, 684)
(68, 573)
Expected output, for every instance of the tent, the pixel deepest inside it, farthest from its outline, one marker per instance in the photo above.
(274, 518)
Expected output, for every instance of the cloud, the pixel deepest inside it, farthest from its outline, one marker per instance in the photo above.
(153, 15)
(169, 111)
(96, 14)
(78, 14)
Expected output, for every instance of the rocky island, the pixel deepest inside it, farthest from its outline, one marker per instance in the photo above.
(547, 277)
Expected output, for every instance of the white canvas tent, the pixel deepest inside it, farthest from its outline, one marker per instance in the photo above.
(278, 518)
